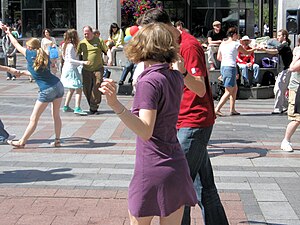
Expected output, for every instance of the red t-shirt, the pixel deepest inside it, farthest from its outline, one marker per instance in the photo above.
(244, 59)
(195, 111)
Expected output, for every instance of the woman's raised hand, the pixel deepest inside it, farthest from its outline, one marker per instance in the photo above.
(109, 88)
(179, 64)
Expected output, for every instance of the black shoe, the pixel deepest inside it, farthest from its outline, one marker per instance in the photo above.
(246, 85)
(92, 112)
(121, 82)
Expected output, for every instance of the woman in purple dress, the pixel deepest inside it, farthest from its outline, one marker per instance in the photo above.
(161, 184)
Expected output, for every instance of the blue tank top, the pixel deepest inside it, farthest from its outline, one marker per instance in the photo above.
(43, 77)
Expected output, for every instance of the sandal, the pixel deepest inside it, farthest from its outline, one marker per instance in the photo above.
(56, 143)
(235, 113)
(15, 144)
(218, 113)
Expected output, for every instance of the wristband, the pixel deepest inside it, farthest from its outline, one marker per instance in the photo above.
(184, 74)
(122, 111)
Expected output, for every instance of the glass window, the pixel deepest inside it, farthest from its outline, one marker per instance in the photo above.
(32, 4)
(176, 9)
(216, 3)
(202, 20)
(228, 18)
(32, 23)
(60, 16)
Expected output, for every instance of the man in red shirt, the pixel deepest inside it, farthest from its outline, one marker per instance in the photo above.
(195, 120)
(246, 63)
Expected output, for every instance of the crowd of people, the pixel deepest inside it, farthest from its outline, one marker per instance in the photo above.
(173, 112)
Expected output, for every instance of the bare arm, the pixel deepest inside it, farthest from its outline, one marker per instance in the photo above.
(14, 71)
(20, 48)
(195, 83)
(141, 125)
(271, 51)
(211, 42)
(244, 51)
(295, 64)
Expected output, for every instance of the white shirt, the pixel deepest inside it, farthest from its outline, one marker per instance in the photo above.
(71, 58)
(46, 43)
(229, 52)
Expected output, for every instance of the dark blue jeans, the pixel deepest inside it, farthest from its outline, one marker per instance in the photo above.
(129, 67)
(3, 133)
(194, 144)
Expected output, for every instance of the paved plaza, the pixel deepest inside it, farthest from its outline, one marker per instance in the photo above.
(86, 180)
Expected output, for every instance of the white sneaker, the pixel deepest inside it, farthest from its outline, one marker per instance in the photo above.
(11, 137)
(286, 146)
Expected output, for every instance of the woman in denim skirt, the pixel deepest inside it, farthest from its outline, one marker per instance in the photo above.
(51, 89)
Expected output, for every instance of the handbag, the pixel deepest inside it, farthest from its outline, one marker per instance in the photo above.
(269, 62)
(10, 61)
(53, 52)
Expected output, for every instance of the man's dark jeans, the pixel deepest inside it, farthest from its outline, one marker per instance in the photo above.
(194, 144)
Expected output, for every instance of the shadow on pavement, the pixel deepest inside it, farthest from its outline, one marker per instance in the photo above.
(263, 114)
(216, 149)
(261, 223)
(224, 141)
(27, 176)
(74, 142)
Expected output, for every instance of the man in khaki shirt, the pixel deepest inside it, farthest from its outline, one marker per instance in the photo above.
(91, 48)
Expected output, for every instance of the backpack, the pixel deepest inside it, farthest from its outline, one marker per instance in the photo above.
(53, 52)
(268, 79)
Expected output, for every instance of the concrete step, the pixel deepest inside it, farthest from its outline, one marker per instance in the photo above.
(263, 92)
(116, 72)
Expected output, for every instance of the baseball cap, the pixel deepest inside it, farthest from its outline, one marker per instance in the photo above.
(216, 23)
(245, 38)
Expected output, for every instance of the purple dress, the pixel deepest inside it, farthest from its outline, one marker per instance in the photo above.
(161, 183)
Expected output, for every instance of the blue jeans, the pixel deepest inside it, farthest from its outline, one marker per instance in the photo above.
(3, 133)
(51, 93)
(194, 144)
(245, 71)
(129, 67)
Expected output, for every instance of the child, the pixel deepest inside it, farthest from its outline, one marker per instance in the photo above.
(70, 76)
(51, 89)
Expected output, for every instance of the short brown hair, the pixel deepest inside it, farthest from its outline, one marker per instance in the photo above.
(179, 23)
(153, 42)
(155, 15)
(231, 31)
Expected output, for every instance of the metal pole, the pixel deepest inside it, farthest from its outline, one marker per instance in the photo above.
(97, 15)
(188, 14)
(260, 16)
(271, 17)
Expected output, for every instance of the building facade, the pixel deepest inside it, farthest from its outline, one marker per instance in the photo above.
(197, 15)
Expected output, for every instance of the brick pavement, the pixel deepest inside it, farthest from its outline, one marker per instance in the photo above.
(86, 180)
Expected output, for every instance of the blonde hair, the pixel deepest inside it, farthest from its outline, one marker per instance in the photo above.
(42, 59)
(71, 37)
(153, 42)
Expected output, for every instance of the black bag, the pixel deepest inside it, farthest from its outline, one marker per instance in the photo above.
(268, 79)
(217, 89)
